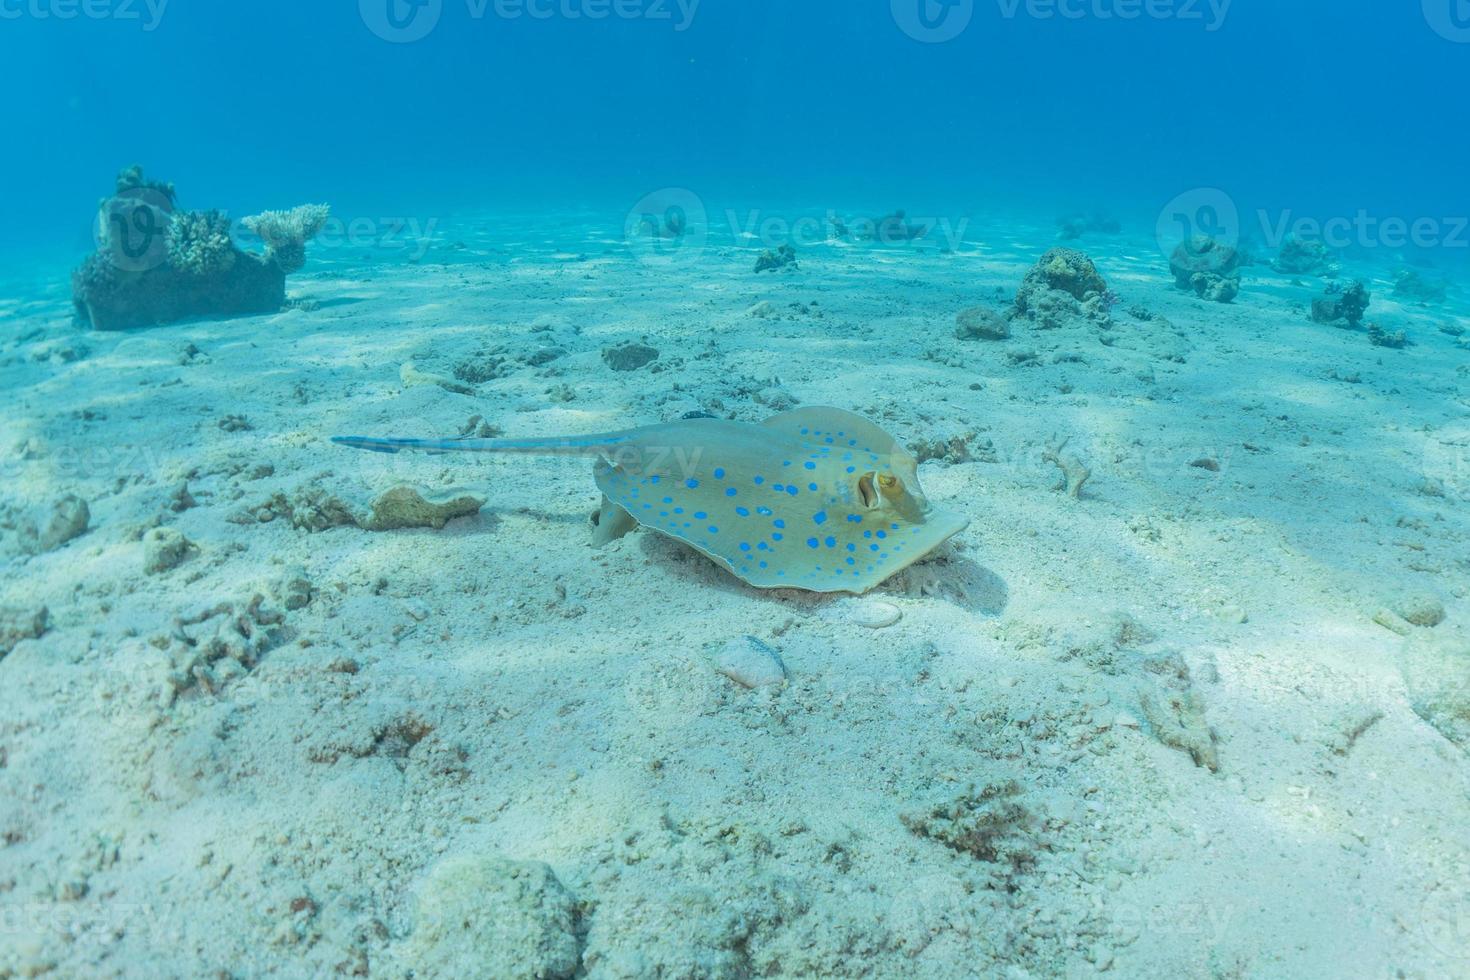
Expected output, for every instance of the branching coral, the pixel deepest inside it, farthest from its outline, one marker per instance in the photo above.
(199, 243)
(286, 233)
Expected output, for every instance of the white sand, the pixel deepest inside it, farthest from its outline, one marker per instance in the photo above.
(452, 701)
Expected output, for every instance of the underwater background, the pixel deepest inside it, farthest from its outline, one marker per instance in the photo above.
(1311, 110)
(1117, 625)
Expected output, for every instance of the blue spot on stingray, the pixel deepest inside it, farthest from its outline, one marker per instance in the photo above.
(663, 513)
(700, 515)
(764, 511)
(851, 562)
(714, 530)
(812, 487)
(719, 474)
(678, 510)
(820, 517)
(867, 534)
(852, 547)
(872, 547)
(882, 534)
(778, 522)
(852, 442)
(792, 491)
(763, 564)
(742, 511)
(777, 536)
(731, 492)
(827, 440)
(855, 518)
(831, 542)
(786, 462)
(852, 469)
(778, 487)
(745, 546)
(810, 466)
(894, 526)
(759, 480)
(805, 431)
(653, 479)
(812, 542)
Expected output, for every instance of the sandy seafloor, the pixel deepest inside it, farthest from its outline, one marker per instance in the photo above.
(491, 750)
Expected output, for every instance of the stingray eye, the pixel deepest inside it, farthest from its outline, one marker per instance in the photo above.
(890, 486)
(867, 491)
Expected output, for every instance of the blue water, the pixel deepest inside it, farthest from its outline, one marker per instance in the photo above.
(1327, 109)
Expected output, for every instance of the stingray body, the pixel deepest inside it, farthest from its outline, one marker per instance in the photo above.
(816, 498)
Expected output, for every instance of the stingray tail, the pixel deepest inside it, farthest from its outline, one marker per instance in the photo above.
(581, 446)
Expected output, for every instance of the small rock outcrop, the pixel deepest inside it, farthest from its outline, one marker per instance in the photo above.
(981, 323)
(1208, 268)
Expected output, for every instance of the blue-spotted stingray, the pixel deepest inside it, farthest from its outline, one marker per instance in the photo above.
(817, 498)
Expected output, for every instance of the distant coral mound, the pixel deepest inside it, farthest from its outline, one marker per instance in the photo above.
(158, 264)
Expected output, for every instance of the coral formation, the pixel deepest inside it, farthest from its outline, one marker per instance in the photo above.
(1301, 257)
(286, 233)
(774, 261)
(1339, 304)
(1064, 285)
(155, 264)
(1209, 268)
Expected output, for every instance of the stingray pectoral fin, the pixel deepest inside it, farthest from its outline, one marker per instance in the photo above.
(613, 522)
